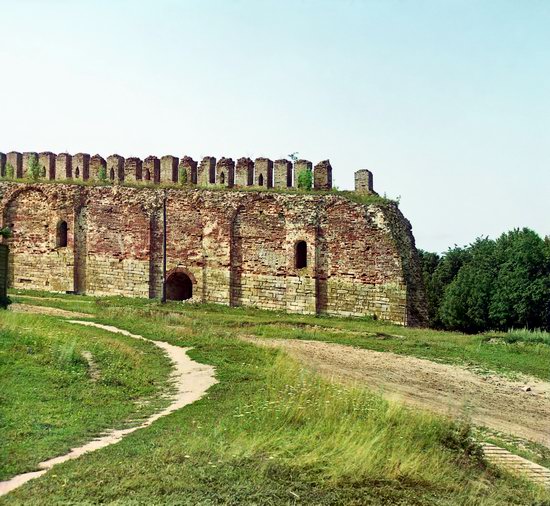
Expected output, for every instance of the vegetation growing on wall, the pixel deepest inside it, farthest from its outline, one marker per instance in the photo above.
(305, 179)
(490, 284)
(34, 171)
(10, 171)
(102, 174)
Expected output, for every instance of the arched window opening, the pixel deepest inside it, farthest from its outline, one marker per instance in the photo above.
(77, 172)
(301, 254)
(112, 174)
(261, 180)
(61, 234)
(222, 178)
(147, 175)
(179, 286)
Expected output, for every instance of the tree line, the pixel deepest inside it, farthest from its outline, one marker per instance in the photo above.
(490, 284)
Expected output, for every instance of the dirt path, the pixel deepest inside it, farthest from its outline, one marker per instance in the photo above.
(50, 311)
(491, 401)
(190, 378)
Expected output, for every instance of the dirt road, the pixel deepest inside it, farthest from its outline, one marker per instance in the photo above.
(492, 401)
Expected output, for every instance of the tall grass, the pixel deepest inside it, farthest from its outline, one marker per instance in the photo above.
(345, 433)
(535, 336)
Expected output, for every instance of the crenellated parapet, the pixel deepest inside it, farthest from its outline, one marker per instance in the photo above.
(363, 181)
(261, 172)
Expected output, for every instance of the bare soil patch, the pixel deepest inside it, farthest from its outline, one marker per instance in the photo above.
(492, 400)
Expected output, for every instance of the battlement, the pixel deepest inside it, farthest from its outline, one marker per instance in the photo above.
(168, 169)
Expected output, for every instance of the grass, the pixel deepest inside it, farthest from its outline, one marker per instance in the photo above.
(48, 401)
(482, 352)
(270, 432)
(360, 198)
(527, 336)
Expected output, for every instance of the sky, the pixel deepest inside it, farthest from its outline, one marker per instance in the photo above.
(447, 102)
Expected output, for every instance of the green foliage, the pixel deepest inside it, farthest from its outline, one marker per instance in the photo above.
(34, 169)
(10, 171)
(5, 232)
(102, 174)
(490, 284)
(536, 336)
(182, 176)
(305, 179)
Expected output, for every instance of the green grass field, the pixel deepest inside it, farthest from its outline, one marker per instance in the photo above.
(268, 433)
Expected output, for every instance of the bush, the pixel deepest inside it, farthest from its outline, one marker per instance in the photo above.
(34, 170)
(10, 171)
(102, 174)
(305, 179)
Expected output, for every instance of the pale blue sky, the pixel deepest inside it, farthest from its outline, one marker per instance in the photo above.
(447, 102)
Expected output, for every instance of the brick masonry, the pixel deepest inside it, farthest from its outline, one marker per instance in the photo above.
(233, 247)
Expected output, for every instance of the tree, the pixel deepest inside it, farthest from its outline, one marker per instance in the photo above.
(429, 262)
(466, 300)
(521, 296)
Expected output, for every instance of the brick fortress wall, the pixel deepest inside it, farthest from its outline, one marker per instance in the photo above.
(235, 248)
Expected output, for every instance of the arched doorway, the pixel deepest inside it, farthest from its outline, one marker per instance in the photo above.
(179, 286)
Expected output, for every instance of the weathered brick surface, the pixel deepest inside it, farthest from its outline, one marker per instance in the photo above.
(63, 166)
(263, 172)
(169, 169)
(81, 166)
(206, 173)
(2, 164)
(282, 174)
(97, 162)
(225, 172)
(15, 159)
(235, 247)
(189, 166)
(363, 181)
(322, 176)
(244, 172)
(132, 169)
(47, 164)
(151, 169)
(115, 168)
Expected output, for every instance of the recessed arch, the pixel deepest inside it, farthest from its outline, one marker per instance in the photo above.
(179, 284)
(222, 178)
(112, 174)
(61, 234)
(261, 180)
(300, 255)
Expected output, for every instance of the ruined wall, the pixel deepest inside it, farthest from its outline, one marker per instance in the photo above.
(237, 248)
